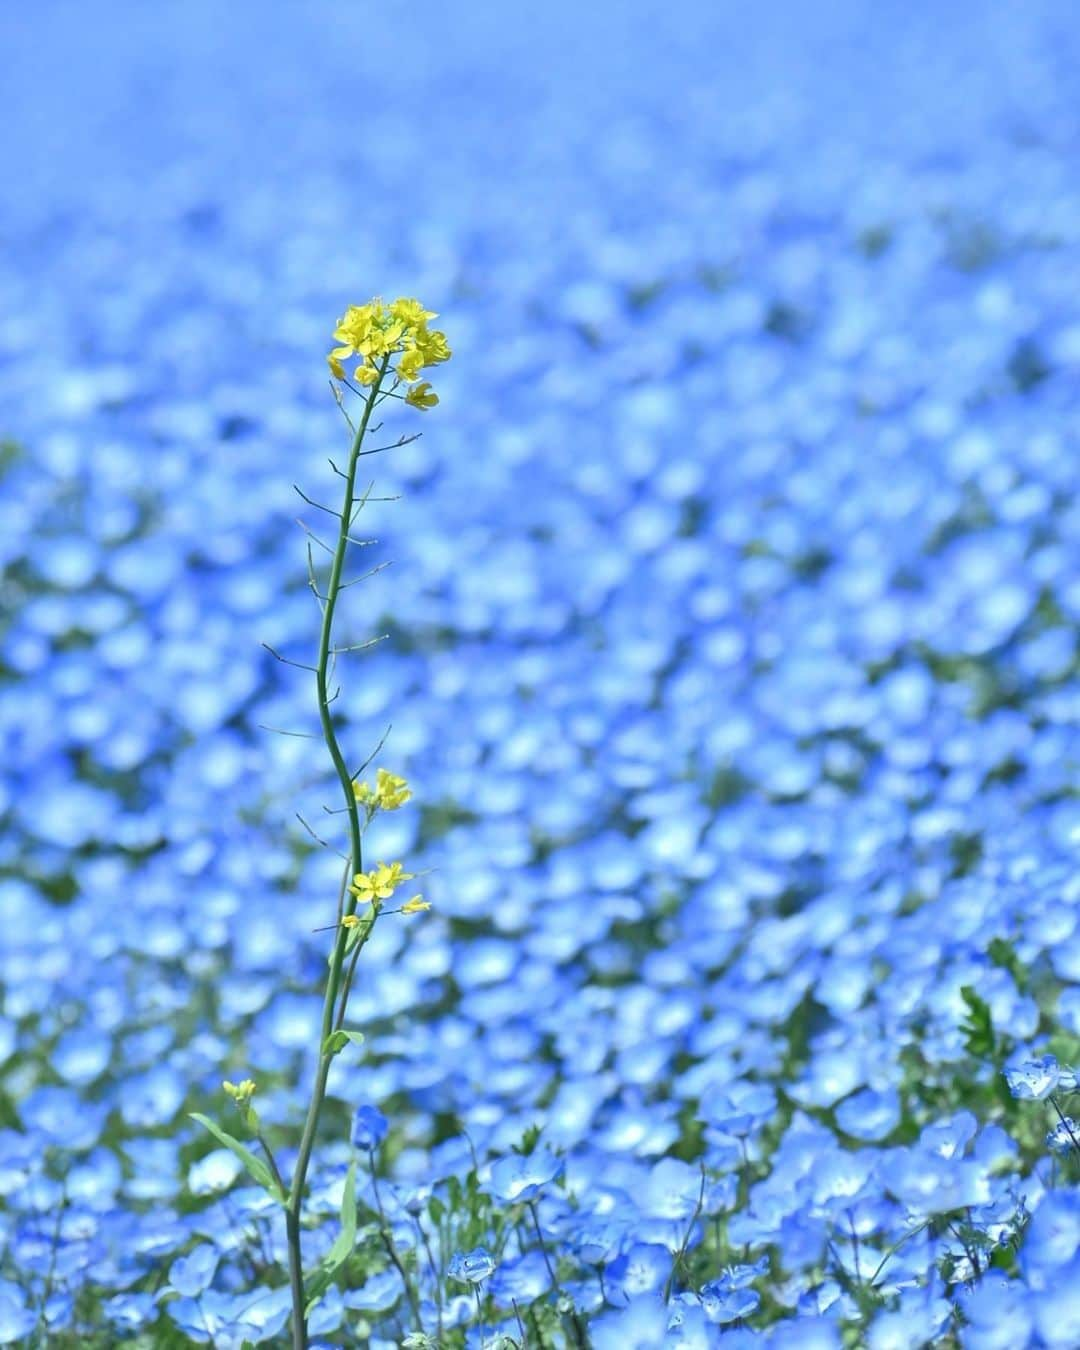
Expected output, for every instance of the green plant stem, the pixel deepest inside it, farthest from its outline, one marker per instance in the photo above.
(686, 1239)
(386, 1233)
(322, 667)
(436, 1278)
(575, 1321)
(1065, 1121)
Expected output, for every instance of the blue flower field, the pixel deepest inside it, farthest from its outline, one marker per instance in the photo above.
(722, 690)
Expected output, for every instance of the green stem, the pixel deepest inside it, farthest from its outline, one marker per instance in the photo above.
(322, 666)
(575, 1320)
(386, 1233)
(681, 1253)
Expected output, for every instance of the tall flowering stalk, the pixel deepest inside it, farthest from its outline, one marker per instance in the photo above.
(393, 346)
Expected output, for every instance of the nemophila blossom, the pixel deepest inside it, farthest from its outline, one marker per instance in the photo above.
(517, 1179)
(216, 1172)
(688, 1328)
(950, 1137)
(1064, 1137)
(190, 1275)
(919, 1320)
(643, 1269)
(378, 1293)
(369, 1127)
(17, 1318)
(1051, 1240)
(997, 1314)
(641, 1325)
(724, 1300)
(471, 1267)
(229, 1318)
(1034, 1079)
(523, 1279)
(738, 1108)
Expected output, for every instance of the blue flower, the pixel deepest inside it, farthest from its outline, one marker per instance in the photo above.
(369, 1127)
(1034, 1079)
(472, 1267)
(17, 1320)
(1052, 1239)
(643, 1269)
(1064, 1137)
(518, 1178)
(190, 1275)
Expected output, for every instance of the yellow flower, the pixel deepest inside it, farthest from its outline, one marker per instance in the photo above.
(415, 905)
(411, 312)
(377, 885)
(350, 921)
(363, 888)
(374, 331)
(420, 396)
(391, 791)
(366, 374)
(241, 1093)
(363, 793)
(386, 878)
(432, 346)
(410, 364)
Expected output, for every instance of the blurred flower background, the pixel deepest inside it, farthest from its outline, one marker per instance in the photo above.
(732, 660)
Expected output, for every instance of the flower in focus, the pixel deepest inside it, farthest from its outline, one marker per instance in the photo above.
(420, 396)
(1035, 1079)
(390, 792)
(241, 1093)
(411, 312)
(366, 374)
(1064, 1136)
(410, 365)
(375, 332)
(372, 887)
(471, 1267)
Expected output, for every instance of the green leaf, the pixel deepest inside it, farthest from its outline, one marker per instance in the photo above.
(436, 1210)
(317, 1284)
(338, 1040)
(1003, 954)
(978, 1026)
(529, 1141)
(257, 1169)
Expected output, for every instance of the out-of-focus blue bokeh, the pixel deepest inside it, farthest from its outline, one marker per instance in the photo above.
(732, 654)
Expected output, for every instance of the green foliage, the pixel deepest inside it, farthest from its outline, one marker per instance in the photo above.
(977, 1027)
(529, 1140)
(1003, 954)
(256, 1168)
(316, 1284)
(338, 1040)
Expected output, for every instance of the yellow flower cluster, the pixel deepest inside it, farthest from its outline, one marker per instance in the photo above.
(377, 331)
(372, 888)
(241, 1093)
(379, 884)
(389, 792)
